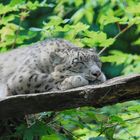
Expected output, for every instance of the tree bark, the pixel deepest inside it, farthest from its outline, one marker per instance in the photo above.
(119, 89)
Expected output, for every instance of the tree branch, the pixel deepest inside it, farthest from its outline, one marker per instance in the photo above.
(119, 89)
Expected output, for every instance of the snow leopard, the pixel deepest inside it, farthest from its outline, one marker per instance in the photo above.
(49, 65)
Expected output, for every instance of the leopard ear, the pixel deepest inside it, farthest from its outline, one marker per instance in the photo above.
(55, 58)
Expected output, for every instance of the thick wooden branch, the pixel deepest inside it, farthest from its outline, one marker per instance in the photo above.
(113, 91)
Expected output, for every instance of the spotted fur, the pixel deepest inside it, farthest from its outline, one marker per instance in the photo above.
(53, 64)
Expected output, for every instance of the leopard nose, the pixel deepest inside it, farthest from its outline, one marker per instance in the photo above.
(96, 73)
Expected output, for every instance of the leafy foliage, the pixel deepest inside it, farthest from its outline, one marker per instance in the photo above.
(112, 26)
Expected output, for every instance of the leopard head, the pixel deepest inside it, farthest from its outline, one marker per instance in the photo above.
(77, 61)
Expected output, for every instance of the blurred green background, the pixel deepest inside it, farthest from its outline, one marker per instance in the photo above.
(110, 24)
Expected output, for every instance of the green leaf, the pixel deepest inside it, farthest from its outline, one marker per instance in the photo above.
(108, 19)
(34, 29)
(97, 39)
(135, 20)
(134, 108)
(117, 57)
(89, 14)
(113, 59)
(78, 2)
(33, 5)
(107, 42)
(53, 137)
(78, 15)
(115, 119)
(137, 42)
(75, 30)
(6, 9)
(15, 2)
(6, 19)
(8, 30)
(3, 49)
(134, 9)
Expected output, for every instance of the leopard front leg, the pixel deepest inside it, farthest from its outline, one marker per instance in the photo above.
(29, 82)
(73, 82)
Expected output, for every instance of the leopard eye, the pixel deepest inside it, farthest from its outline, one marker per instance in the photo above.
(77, 61)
